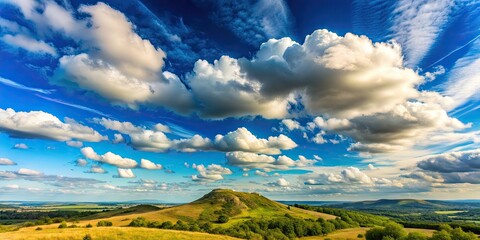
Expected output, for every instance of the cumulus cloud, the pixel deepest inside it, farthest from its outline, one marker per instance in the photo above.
(118, 60)
(465, 161)
(81, 162)
(211, 173)
(336, 76)
(39, 124)
(404, 126)
(6, 161)
(155, 140)
(29, 44)
(147, 164)
(248, 161)
(118, 138)
(350, 175)
(21, 146)
(76, 144)
(291, 124)
(109, 158)
(125, 173)
(96, 169)
(281, 182)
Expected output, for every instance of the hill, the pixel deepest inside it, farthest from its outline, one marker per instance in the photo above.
(405, 205)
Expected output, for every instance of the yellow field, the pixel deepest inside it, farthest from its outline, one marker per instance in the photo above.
(449, 212)
(351, 233)
(109, 233)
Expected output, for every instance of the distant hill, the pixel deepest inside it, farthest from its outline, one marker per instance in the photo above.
(406, 204)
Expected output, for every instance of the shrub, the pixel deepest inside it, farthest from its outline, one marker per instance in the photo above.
(63, 225)
(38, 228)
(89, 226)
(360, 235)
(87, 237)
(222, 219)
(104, 223)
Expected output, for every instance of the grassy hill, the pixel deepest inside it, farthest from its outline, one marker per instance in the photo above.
(400, 204)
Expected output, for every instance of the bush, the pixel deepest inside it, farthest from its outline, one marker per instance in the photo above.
(222, 219)
(87, 237)
(415, 236)
(38, 228)
(63, 225)
(89, 226)
(104, 223)
(360, 235)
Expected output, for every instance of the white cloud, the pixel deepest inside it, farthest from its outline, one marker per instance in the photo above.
(147, 164)
(465, 161)
(76, 144)
(281, 182)
(13, 84)
(248, 160)
(118, 60)
(28, 172)
(260, 173)
(417, 25)
(6, 161)
(21, 146)
(118, 138)
(211, 173)
(291, 124)
(96, 169)
(371, 167)
(350, 175)
(125, 173)
(341, 77)
(109, 158)
(81, 162)
(29, 44)
(39, 124)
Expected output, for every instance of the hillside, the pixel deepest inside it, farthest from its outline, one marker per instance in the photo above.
(403, 205)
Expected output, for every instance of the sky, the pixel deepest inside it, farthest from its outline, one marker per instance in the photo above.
(296, 100)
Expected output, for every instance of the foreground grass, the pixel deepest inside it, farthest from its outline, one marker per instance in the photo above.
(352, 233)
(109, 233)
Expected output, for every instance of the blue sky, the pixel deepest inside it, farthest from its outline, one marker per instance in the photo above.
(297, 100)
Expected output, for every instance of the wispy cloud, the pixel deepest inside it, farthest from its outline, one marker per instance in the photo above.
(73, 105)
(13, 84)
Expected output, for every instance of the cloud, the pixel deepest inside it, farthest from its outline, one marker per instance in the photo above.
(147, 164)
(211, 173)
(291, 124)
(118, 60)
(81, 162)
(155, 140)
(72, 105)
(252, 21)
(6, 161)
(109, 158)
(29, 44)
(281, 182)
(243, 140)
(261, 173)
(21, 146)
(96, 169)
(13, 84)
(402, 127)
(39, 124)
(118, 138)
(465, 161)
(125, 173)
(350, 175)
(61, 182)
(417, 24)
(248, 161)
(76, 144)
(325, 72)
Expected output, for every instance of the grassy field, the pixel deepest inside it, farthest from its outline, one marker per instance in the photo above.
(352, 233)
(108, 233)
(448, 212)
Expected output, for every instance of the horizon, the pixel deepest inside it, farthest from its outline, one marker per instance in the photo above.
(295, 100)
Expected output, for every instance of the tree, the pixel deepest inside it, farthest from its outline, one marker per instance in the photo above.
(415, 236)
(441, 235)
(375, 233)
(222, 219)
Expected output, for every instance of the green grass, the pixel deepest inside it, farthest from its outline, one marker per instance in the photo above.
(449, 212)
